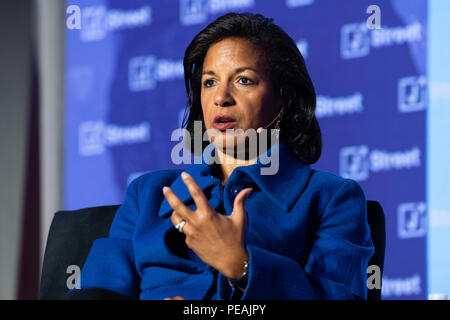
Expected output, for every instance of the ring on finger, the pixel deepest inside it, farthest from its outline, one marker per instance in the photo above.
(179, 226)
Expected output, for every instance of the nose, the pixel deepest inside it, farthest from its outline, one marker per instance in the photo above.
(223, 96)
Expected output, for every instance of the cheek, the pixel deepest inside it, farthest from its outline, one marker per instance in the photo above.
(205, 109)
(207, 115)
(268, 108)
(258, 110)
(252, 117)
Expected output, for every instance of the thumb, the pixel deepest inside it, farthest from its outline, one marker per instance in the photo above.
(238, 214)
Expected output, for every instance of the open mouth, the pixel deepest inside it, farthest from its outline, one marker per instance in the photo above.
(224, 122)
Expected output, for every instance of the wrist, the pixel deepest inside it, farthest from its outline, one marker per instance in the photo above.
(240, 282)
(236, 269)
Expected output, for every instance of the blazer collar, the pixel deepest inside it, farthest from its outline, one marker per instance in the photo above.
(284, 187)
(287, 184)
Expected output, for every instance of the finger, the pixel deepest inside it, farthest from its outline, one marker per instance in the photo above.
(188, 225)
(179, 298)
(196, 192)
(176, 218)
(177, 205)
(238, 213)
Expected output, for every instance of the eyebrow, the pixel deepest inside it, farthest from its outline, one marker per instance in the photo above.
(238, 70)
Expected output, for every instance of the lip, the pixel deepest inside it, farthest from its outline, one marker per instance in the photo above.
(225, 125)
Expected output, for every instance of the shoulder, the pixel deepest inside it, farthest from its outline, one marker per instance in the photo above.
(156, 178)
(146, 184)
(331, 180)
(331, 185)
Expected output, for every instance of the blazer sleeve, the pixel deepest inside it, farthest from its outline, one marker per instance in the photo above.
(111, 265)
(337, 262)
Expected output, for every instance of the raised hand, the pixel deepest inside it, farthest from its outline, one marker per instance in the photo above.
(217, 239)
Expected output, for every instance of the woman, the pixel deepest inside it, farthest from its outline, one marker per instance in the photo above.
(225, 230)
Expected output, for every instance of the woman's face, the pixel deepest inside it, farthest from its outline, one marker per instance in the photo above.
(236, 84)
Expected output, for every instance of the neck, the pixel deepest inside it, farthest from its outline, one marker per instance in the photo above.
(228, 163)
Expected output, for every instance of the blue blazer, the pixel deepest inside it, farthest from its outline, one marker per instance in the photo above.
(307, 236)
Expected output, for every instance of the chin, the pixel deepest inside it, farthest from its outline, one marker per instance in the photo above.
(230, 144)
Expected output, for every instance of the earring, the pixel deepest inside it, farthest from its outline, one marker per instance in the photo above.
(277, 124)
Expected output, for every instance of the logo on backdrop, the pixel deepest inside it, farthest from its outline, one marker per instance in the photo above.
(412, 94)
(356, 162)
(396, 287)
(411, 220)
(298, 3)
(197, 11)
(96, 136)
(146, 71)
(357, 40)
(328, 106)
(98, 21)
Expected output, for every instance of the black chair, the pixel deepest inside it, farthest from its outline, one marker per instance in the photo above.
(376, 220)
(72, 234)
(69, 241)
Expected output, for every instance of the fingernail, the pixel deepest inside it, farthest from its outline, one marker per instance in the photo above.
(184, 175)
(165, 189)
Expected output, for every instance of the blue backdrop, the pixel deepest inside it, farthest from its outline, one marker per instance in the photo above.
(125, 95)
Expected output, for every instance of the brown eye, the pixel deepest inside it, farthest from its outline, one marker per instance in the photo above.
(245, 81)
(208, 83)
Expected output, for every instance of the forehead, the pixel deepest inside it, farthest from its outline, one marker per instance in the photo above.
(234, 52)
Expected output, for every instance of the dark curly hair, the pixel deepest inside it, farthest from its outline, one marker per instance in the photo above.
(299, 128)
